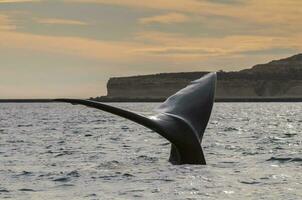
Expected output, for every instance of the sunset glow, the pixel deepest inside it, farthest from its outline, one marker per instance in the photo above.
(70, 48)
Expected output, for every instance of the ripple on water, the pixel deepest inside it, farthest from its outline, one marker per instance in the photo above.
(230, 129)
(145, 158)
(62, 179)
(113, 164)
(25, 173)
(117, 176)
(74, 173)
(248, 147)
(3, 190)
(63, 153)
(155, 180)
(66, 185)
(27, 190)
(91, 195)
(252, 182)
(285, 159)
(289, 135)
(108, 177)
(24, 125)
(137, 193)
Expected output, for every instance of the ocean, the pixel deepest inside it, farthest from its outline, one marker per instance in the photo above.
(62, 151)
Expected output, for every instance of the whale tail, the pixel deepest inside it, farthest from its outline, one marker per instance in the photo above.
(181, 119)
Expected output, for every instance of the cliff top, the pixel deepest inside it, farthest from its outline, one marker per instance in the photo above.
(285, 65)
(173, 75)
(287, 68)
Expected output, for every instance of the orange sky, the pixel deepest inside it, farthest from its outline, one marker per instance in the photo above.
(70, 48)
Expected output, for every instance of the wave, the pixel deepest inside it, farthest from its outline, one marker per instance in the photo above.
(285, 159)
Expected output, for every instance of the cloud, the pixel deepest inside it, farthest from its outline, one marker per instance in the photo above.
(218, 36)
(165, 19)
(57, 21)
(270, 12)
(181, 47)
(18, 1)
(148, 46)
(6, 23)
(172, 5)
(86, 48)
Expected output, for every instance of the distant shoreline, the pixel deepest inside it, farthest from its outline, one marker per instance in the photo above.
(251, 99)
(121, 100)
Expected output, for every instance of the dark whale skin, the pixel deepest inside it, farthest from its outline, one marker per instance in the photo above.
(181, 119)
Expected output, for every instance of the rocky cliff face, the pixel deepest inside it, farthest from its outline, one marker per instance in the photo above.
(150, 86)
(280, 78)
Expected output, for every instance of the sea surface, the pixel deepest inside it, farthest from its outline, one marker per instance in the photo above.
(61, 151)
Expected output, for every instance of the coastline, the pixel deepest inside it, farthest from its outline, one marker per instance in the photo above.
(149, 100)
(250, 99)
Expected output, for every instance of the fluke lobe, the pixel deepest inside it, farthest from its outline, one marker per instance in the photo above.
(181, 119)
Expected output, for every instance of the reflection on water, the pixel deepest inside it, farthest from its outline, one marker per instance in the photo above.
(60, 151)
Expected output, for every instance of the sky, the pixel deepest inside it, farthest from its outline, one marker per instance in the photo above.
(70, 48)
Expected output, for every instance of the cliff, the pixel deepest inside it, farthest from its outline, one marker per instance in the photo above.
(276, 79)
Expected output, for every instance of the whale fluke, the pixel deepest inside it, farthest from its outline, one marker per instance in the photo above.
(181, 119)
